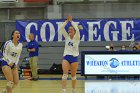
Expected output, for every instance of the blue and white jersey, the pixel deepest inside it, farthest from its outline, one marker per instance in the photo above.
(11, 53)
(71, 45)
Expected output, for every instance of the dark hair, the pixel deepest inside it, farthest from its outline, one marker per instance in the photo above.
(13, 33)
(112, 47)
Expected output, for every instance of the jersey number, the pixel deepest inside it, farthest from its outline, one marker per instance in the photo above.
(14, 54)
(70, 44)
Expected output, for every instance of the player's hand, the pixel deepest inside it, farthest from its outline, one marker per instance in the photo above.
(11, 64)
(28, 50)
(15, 66)
(70, 18)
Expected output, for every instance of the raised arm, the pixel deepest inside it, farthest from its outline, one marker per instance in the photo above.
(64, 32)
(77, 33)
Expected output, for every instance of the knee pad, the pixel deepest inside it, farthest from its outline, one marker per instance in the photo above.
(10, 84)
(73, 78)
(65, 76)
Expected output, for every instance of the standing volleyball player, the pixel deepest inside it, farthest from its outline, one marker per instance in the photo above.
(11, 53)
(71, 52)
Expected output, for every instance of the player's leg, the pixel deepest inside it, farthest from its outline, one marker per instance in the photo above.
(15, 76)
(9, 77)
(65, 67)
(74, 67)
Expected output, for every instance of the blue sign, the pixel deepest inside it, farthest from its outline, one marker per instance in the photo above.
(93, 30)
(114, 62)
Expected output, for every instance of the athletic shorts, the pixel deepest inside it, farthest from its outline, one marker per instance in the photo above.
(70, 58)
(4, 63)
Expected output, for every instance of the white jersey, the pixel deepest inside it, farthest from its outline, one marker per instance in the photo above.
(71, 45)
(11, 53)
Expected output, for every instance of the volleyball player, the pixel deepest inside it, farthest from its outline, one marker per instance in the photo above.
(71, 52)
(11, 53)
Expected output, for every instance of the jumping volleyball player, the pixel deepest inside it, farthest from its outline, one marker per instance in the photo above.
(11, 53)
(71, 52)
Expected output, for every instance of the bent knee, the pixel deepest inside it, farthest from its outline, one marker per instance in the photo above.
(65, 76)
(73, 74)
(73, 77)
(10, 84)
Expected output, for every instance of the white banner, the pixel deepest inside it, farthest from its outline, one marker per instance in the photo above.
(111, 64)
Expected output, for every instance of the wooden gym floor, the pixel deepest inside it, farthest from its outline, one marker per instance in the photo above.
(52, 84)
